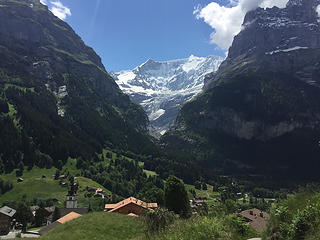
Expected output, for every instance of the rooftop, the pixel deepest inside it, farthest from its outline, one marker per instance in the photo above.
(114, 207)
(7, 211)
(257, 218)
(68, 217)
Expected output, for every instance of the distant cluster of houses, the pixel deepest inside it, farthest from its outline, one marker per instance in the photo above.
(97, 192)
(256, 218)
(131, 206)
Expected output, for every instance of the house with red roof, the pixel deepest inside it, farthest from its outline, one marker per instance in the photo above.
(131, 207)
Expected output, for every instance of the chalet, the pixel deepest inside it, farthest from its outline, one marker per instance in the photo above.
(256, 218)
(131, 207)
(99, 190)
(6, 214)
(197, 202)
(98, 195)
(63, 184)
(20, 180)
(91, 189)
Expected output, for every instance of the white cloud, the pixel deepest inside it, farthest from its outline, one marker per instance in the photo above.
(318, 10)
(59, 10)
(227, 20)
(44, 2)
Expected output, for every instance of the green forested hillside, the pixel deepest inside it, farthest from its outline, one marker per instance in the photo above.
(253, 121)
(56, 99)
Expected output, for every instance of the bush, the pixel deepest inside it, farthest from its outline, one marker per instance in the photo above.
(296, 218)
(220, 227)
(176, 197)
(159, 220)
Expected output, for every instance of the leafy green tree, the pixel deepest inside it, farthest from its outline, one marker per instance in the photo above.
(24, 215)
(90, 207)
(150, 193)
(1, 165)
(176, 197)
(159, 220)
(56, 214)
(197, 185)
(20, 166)
(204, 186)
(230, 206)
(39, 217)
(57, 174)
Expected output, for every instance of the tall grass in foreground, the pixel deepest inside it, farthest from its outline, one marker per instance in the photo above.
(297, 217)
(99, 226)
(220, 227)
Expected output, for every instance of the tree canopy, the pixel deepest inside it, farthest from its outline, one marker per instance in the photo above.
(176, 197)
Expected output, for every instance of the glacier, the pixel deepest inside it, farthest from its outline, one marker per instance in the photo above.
(162, 87)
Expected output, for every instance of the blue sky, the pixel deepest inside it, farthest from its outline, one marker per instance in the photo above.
(125, 33)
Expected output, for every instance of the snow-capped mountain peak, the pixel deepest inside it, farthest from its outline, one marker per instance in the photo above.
(162, 87)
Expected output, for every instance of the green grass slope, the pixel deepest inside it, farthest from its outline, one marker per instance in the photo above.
(102, 226)
(220, 227)
(36, 187)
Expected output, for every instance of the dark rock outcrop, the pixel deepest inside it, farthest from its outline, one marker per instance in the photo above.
(262, 107)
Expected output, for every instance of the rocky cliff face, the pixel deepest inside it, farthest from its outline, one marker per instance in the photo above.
(163, 87)
(278, 36)
(264, 95)
(58, 92)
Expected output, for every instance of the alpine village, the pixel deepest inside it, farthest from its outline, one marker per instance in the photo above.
(228, 149)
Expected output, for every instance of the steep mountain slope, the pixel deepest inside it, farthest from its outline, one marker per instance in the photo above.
(261, 111)
(56, 99)
(163, 87)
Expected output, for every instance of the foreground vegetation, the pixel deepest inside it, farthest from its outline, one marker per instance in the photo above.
(207, 228)
(115, 227)
(109, 226)
(297, 217)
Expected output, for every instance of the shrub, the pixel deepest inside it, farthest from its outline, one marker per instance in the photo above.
(176, 197)
(296, 218)
(159, 220)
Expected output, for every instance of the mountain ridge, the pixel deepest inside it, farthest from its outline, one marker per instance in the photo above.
(161, 87)
(261, 108)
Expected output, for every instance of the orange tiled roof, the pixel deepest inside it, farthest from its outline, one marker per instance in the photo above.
(110, 206)
(132, 215)
(152, 205)
(125, 202)
(68, 217)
